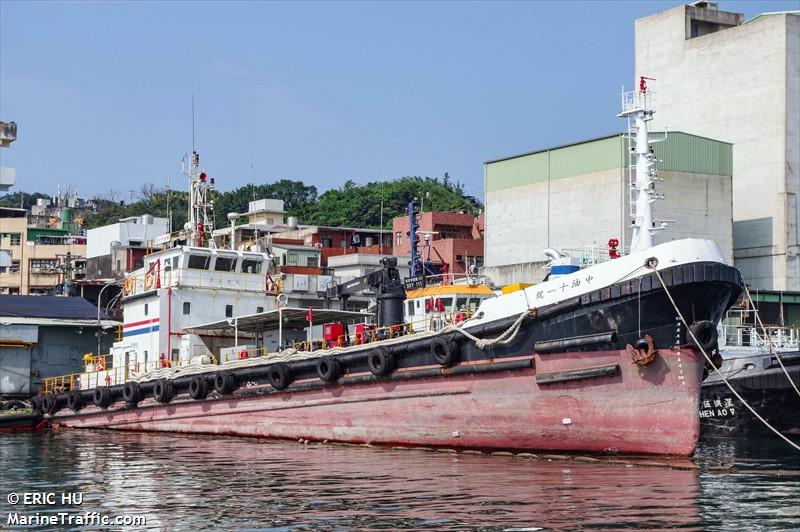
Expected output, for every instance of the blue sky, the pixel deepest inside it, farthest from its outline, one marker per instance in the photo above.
(318, 91)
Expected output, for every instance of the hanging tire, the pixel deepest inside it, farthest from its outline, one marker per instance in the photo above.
(50, 404)
(198, 387)
(224, 383)
(329, 369)
(444, 352)
(132, 393)
(706, 334)
(102, 396)
(163, 391)
(381, 362)
(280, 375)
(75, 400)
(37, 405)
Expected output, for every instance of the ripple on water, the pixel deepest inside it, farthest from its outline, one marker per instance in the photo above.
(183, 483)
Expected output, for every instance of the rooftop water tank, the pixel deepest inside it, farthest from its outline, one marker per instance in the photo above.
(292, 222)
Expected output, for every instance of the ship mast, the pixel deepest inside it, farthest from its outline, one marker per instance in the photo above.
(200, 222)
(637, 108)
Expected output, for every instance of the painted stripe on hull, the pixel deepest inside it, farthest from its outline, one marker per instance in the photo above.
(126, 334)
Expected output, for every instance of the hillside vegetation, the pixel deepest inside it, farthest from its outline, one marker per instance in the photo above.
(352, 205)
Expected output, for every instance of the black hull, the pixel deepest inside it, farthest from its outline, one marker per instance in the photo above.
(762, 383)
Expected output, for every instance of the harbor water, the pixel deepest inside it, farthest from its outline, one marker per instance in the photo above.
(219, 483)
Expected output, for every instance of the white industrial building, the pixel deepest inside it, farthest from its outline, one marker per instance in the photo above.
(739, 82)
(576, 198)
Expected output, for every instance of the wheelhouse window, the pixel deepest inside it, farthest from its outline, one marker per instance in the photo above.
(228, 311)
(199, 262)
(251, 266)
(225, 264)
(187, 308)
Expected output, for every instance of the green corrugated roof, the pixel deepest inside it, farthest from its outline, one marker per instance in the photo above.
(681, 152)
(34, 233)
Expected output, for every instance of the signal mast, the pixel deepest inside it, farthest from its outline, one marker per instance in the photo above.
(200, 222)
(637, 108)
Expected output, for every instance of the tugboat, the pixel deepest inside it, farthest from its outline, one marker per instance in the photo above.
(591, 360)
(750, 364)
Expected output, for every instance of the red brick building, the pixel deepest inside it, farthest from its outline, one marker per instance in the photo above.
(456, 237)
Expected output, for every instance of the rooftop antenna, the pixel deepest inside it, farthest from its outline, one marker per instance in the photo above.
(637, 108)
(193, 148)
(200, 222)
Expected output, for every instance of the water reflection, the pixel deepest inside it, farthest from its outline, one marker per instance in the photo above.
(185, 482)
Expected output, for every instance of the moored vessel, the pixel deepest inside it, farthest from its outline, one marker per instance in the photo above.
(594, 360)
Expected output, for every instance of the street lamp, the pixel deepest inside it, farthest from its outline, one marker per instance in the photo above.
(99, 304)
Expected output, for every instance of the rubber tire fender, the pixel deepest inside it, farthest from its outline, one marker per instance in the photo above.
(381, 362)
(224, 382)
(75, 400)
(444, 352)
(163, 392)
(706, 334)
(280, 375)
(329, 369)
(36, 402)
(132, 393)
(50, 404)
(198, 387)
(102, 396)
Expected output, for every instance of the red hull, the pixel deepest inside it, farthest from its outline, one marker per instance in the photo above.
(650, 410)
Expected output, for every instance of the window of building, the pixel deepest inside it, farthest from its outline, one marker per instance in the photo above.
(312, 262)
(199, 262)
(459, 258)
(259, 310)
(271, 221)
(228, 311)
(134, 243)
(292, 259)
(119, 265)
(399, 236)
(146, 308)
(251, 266)
(14, 266)
(13, 291)
(43, 265)
(16, 239)
(327, 242)
(343, 243)
(224, 264)
(187, 307)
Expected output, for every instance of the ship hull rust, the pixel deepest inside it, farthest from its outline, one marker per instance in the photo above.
(634, 410)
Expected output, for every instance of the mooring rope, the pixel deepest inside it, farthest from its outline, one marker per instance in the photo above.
(772, 350)
(697, 343)
(505, 338)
